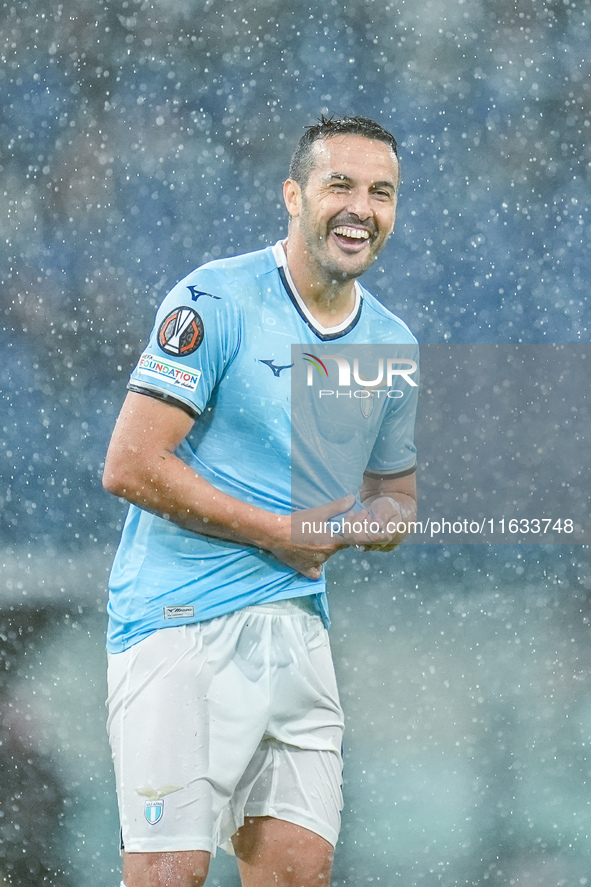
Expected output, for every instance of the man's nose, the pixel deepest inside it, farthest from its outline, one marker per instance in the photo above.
(359, 205)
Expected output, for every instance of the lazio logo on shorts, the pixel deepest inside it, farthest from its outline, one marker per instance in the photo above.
(153, 811)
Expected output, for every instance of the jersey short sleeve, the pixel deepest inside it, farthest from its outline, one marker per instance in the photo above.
(394, 452)
(195, 337)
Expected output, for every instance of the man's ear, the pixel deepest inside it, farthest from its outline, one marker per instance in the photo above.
(292, 195)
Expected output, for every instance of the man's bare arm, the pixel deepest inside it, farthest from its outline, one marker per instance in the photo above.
(141, 467)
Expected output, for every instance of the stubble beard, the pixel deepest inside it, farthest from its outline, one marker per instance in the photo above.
(331, 270)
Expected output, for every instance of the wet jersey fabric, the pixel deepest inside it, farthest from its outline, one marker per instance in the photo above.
(221, 349)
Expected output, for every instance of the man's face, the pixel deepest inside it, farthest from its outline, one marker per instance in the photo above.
(347, 209)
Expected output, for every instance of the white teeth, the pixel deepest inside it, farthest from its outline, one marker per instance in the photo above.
(355, 233)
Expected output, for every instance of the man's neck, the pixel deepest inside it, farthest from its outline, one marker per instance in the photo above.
(330, 302)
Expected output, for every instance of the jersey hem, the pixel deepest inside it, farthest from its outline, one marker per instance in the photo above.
(127, 642)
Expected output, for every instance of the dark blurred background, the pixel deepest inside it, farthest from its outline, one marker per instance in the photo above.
(139, 139)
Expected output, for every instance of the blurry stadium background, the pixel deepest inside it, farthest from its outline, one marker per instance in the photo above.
(139, 139)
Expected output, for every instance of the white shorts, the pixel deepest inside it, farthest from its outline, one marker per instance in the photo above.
(234, 717)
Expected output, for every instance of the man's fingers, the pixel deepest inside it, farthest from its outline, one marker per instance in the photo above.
(314, 526)
(365, 528)
(363, 521)
(314, 573)
(337, 506)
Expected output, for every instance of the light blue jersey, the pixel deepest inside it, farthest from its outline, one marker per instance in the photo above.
(221, 349)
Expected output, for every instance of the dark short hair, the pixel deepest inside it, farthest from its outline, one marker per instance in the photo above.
(302, 163)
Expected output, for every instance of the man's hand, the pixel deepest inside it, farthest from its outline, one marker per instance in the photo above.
(390, 509)
(308, 542)
(375, 528)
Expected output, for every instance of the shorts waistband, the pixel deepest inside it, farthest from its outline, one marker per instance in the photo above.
(295, 606)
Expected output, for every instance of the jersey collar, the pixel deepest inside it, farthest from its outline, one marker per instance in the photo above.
(323, 332)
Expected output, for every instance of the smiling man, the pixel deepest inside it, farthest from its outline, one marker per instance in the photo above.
(224, 718)
(341, 216)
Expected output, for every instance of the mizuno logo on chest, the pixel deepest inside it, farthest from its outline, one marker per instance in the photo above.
(277, 370)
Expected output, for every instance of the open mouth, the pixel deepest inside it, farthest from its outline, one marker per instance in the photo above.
(353, 239)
